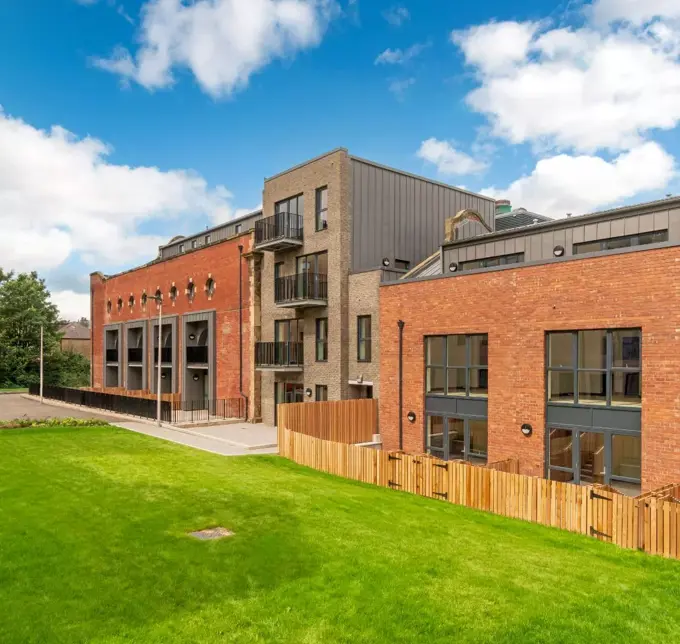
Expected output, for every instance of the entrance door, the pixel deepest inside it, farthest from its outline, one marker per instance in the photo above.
(456, 438)
(287, 392)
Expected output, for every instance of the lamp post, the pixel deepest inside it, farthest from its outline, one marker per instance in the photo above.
(159, 300)
(42, 361)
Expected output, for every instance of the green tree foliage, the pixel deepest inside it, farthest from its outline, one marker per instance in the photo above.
(25, 306)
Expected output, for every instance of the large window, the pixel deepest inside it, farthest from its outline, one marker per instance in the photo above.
(322, 208)
(457, 365)
(293, 205)
(321, 339)
(621, 242)
(321, 393)
(489, 262)
(364, 338)
(452, 438)
(316, 264)
(595, 367)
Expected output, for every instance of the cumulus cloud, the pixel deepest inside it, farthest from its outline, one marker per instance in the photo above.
(578, 184)
(71, 305)
(59, 196)
(600, 86)
(397, 15)
(399, 56)
(447, 159)
(222, 42)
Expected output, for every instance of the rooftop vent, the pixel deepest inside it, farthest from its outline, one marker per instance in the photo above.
(503, 206)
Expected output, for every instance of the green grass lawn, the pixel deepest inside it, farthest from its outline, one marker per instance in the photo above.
(14, 390)
(93, 548)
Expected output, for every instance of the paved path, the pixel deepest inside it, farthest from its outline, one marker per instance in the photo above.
(229, 440)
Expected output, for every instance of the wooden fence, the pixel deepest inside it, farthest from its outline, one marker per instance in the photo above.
(650, 523)
(342, 421)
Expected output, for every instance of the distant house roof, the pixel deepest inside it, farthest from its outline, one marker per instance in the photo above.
(75, 331)
(518, 218)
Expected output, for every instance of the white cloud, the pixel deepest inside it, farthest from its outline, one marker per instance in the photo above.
(398, 56)
(222, 42)
(578, 184)
(399, 87)
(588, 88)
(71, 305)
(59, 196)
(448, 160)
(636, 12)
(397, 16)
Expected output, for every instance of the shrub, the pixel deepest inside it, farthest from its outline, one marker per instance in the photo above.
(19, 423)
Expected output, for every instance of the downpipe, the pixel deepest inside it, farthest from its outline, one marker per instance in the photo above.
(240, 329)
(400, 324)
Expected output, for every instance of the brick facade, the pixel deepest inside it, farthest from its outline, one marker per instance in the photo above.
(363, 300)
(220, 261)
(516, 307)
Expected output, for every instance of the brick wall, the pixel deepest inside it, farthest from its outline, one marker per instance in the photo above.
(363, 300)
(516, 307)
(219, 261)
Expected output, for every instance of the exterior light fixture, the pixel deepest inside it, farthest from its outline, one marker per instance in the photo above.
(308, 391)
(196, 377)
(527, 429)
(192, 336)
(453, 267)
(164, 376)
(411, 417)
(558, 251)
(385, 262)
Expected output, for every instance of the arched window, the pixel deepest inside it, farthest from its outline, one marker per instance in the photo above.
(173, 292)
(210, 286)
(159, 295)
(131, 301)
(120, 304)
(191, 290)
(108, 306)
(144, 298)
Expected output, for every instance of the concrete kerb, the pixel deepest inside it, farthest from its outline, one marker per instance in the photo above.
(146, 421)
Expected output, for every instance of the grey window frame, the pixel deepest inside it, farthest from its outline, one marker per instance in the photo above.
(365, 341)
(321, 343)
(208, 239)
(487, 262)
(320, 214)
(656, 237)
(443, 452)
(318, 389)
(194, 243)
(405, 264)
(277, 270)
(299, 205)
(609, 369)
(468, 366)
(238, 228)
(181, 248)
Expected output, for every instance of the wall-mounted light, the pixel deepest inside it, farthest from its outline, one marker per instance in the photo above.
(385, 262)
(558, 251)
(527, 429)
(411, 417)
(164, 376)
(192, 336)
(196, 378)
(453, 267)
(308, 391)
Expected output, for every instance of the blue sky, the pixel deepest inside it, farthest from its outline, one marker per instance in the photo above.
(125, 122)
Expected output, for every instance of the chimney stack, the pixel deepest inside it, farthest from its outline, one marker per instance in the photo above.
(503, 206)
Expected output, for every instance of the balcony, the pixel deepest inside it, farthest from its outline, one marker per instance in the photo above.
(166, 355)
(112, 355)
(301, 290)
(135, 354)
(279, 356)
(279, 232)
(197, 355)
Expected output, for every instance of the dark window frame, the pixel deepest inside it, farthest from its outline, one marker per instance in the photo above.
(614, 243)
(448, 368)
(238, 228)
(443, 452)
(402, 264)
(277, 270)
(194, 243)
(321, 343)
(492, 262)
(181, 248)
(307, 257)
(299, 205)
(320, 213)
(608, 371)
(364, 341)
(323, 390)
(208, 239)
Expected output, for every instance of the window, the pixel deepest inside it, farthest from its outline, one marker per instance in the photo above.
(131, 301)
(401, 264)
(595, 367)
(457, 365)
(108, 306)
(288, 342)
(293, 206)
(316, 264)
(321, 393)
(181, 248)
(322, 208)
(321, 339)
(490, 262)
(364, 338)
(210, 286)
(621, 242)
(451, 438)
(145, 297)
(194, 243)
(173, 292)
(237, 228)
(120, 304)
(191, 290)
(208, 239)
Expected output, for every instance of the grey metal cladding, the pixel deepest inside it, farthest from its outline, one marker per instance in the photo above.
(457, 406)
(400, 216)
(572, 416)
(538, 245)
(170, 320)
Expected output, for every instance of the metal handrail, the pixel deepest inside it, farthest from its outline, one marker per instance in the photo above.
(301, 286)
(279, 354)
(281, 225)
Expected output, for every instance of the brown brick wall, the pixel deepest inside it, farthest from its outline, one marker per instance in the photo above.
(516, 308)
(220, 261)
(77, 346)
(363, 300)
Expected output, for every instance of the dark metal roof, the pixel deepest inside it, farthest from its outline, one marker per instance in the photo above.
(518, 218)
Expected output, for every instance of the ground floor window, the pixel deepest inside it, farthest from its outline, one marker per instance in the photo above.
(609, 457)
(321, 393)
(457, 438)
(287, 392)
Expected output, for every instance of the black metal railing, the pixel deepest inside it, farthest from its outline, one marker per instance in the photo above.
(198, 411)
(197, 355)
(135, 354)
(112, 355)
(300, 287)
(166, 354)
(279, 354)
(283, 225)
(131, 405)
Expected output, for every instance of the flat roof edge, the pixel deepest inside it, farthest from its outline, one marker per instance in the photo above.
(304, 163)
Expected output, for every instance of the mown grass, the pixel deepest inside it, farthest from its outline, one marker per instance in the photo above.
(13, 390)
(94, 548)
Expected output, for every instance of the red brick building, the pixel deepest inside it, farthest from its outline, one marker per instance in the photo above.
(207, 322)
(568, 329)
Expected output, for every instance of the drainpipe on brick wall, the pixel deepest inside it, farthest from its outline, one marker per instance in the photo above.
(240, 328)
(400, 324)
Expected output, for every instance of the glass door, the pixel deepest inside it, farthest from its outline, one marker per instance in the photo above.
(454, 438)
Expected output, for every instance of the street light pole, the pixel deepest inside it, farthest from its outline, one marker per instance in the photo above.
(41, 362)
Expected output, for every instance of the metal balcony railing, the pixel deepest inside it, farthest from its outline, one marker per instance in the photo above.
(279, 354)
(283, 226)
(197, 355)
(166, 354)
(300, 288)
(135, 354)
(112, 355)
